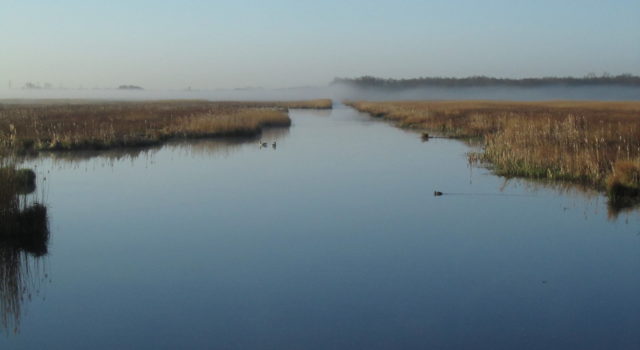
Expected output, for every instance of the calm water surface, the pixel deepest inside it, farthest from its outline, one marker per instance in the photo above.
(333, 240)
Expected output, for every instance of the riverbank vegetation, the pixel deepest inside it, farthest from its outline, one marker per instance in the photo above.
(594, 143)
(38, 126)
(324, 103)
(23, 220)
(24, 238)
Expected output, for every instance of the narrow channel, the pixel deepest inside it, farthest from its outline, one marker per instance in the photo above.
(330, 240)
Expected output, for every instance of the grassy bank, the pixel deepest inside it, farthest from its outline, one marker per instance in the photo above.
(28, 127)
(596, 143)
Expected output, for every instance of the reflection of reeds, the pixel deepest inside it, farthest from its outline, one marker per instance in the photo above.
(596, 143)
(202, 146)
(20, 278)
(22, 181)
(26, 228)
(24, 237)
(36, 127)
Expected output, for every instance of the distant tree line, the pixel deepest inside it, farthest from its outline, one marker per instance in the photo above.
(35, 86)
(484, 81)
(129, 87)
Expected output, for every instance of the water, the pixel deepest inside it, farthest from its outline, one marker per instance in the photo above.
(333, 240)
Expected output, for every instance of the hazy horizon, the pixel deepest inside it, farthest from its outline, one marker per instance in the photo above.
(197, 44)
(419, 174)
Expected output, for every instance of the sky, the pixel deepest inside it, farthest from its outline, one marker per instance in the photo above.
(289, 43)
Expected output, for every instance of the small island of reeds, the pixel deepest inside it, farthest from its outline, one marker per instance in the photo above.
(23, 222)
(593, 143)
(24, 238)
(31, 126)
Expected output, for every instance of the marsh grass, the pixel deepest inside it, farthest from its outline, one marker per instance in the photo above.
(24, 238)
(623, 185)
(32, 127)
(594, 143)
(310, 104)
(23, 220)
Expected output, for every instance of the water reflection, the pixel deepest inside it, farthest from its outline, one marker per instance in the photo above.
(227, 146)
(24, 223)
(623, 207)
(332, 239)
(24, 238)
(224, 147)
(582, 196)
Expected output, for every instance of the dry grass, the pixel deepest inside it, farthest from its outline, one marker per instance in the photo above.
(100, 125)
(624, 181)
(597, 143)
(311, 104)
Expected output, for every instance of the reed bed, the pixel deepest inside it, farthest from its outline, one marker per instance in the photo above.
(594, 143)
(22, 219)
(28, 127)
(24, 237)
(310, 104)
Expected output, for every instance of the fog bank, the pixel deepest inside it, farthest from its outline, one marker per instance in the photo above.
(340, 92)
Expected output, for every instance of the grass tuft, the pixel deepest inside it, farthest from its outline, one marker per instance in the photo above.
(624, 180)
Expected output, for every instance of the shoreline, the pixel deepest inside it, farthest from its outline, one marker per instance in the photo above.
(31, 128)
(591, 143)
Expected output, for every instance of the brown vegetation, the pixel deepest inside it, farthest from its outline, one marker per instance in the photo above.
(100, 125)
(597, 143)
(24, 237)
(21, 220)
(311, 104)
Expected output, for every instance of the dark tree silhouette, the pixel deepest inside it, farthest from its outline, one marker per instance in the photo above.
(480, 81)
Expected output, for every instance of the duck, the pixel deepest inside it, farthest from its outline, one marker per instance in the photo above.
(437, 193)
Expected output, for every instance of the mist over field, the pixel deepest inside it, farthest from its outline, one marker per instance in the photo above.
(340, 92)
(360, 174)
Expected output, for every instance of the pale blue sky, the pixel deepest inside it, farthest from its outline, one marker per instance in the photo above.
(226, 44)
